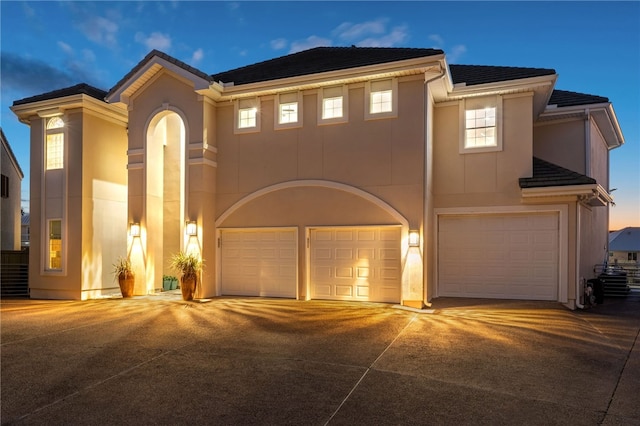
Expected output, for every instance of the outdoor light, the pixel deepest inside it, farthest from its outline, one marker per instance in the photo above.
(414, 239)
(134, 229)
(192, 229)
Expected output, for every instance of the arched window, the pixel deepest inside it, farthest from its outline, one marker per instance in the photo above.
(55, 144)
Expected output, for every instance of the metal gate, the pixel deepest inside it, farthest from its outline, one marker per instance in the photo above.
(14, 273)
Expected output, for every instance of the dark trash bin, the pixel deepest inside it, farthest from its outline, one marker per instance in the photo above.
(598, 289)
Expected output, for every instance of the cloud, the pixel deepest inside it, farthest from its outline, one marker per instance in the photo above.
(100, 30)
(348, 31)
(396, 37)
(31, 76)
(437, 40)
(454, 54)
(309, 43)
(197, 56)
(278, 44)
(65, 48)
(155, 40)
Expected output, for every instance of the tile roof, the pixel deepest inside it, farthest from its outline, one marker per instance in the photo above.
(147, 58)
(547, 174)
(78, 89)
(564, 98)
(482, 74)
(318, 60)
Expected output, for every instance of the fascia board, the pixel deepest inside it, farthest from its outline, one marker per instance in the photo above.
(25, 111)
(594, 190)
(502, 86)
(308, 81)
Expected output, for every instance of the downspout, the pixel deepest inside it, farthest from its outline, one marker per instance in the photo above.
(579, 289)
(425, 195)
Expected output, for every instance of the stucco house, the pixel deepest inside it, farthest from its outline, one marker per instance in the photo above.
(10, 196)
(342, 173)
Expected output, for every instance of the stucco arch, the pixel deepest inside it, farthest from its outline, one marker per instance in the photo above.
(392, 212)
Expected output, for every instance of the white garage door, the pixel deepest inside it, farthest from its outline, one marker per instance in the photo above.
(360, 263)
(259, 262)
(502, 256)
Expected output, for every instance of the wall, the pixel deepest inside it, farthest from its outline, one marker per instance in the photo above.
(561, 143)
(10, 215)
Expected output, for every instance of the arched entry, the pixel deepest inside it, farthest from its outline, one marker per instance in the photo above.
(164, 194)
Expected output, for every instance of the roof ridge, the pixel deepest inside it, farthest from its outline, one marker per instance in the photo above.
(76, 89)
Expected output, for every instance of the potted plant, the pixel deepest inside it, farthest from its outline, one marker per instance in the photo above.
(123, 271)
(169, 282)
(188, 265)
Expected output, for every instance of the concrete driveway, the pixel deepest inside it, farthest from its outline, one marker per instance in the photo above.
(237, 361)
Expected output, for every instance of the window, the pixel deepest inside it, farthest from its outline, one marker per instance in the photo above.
(54, 144)
(632, 256)
(333, 105)
(288, 110)
(55, 245)
(481, 124)
(247, 115)
(5, 186)
(381, 98)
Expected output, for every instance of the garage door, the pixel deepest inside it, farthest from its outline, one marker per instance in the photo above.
(360, 264)
(506, 256)
(259, 262)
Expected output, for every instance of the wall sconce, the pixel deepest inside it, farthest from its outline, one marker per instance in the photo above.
(192, 229)
(414, 238)
(134, 229)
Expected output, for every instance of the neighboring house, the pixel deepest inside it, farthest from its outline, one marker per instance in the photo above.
(24, 230)
(624, 246)
(372, 174)
(11, 176)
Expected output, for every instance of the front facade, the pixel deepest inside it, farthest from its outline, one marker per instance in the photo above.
(372, 174)
(10, 197)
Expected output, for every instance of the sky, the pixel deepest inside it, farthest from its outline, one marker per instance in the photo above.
(593, 46)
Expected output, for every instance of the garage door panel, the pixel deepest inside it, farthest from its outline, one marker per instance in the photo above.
(259, 262)
(363, 265)
(499, 256)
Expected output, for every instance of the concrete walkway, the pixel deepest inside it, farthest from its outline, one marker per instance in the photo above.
(238, 361)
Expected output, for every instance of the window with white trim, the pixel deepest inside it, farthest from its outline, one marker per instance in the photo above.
(381, 98)
(247, 115)
(333, 104)
(288, 110)
(54, 155)
(480, 124)
(54, 246)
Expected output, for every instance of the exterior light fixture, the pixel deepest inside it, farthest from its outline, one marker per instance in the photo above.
(414, 238)
(192, 229)
(134, 229)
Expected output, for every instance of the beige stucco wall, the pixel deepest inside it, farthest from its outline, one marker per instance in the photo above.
(10, 212)
(561, 143)
(598, 156)
(383, 158)
(482, 179)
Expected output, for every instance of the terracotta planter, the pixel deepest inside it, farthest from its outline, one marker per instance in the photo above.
(126, 285)
(188, 287)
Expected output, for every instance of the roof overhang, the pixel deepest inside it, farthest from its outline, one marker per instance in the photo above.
(58, 106)
(603, 115)
(541, 86)
(149, 70)
(592, 195)
(416, 66)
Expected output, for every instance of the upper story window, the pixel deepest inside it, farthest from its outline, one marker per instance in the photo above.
(247, 115)
(54, 144)
(288, 110)
(5, 186)
(481, 124)
(381, 98)
(333, 104)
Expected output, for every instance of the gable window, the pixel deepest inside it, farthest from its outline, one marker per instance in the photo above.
(54, 247)
(54, 144)
(5, 186)
(333, 104)
(288, 110)
(381, 98)
(247, 115)
(481, 124)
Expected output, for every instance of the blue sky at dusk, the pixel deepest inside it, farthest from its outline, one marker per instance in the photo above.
(593, 46)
